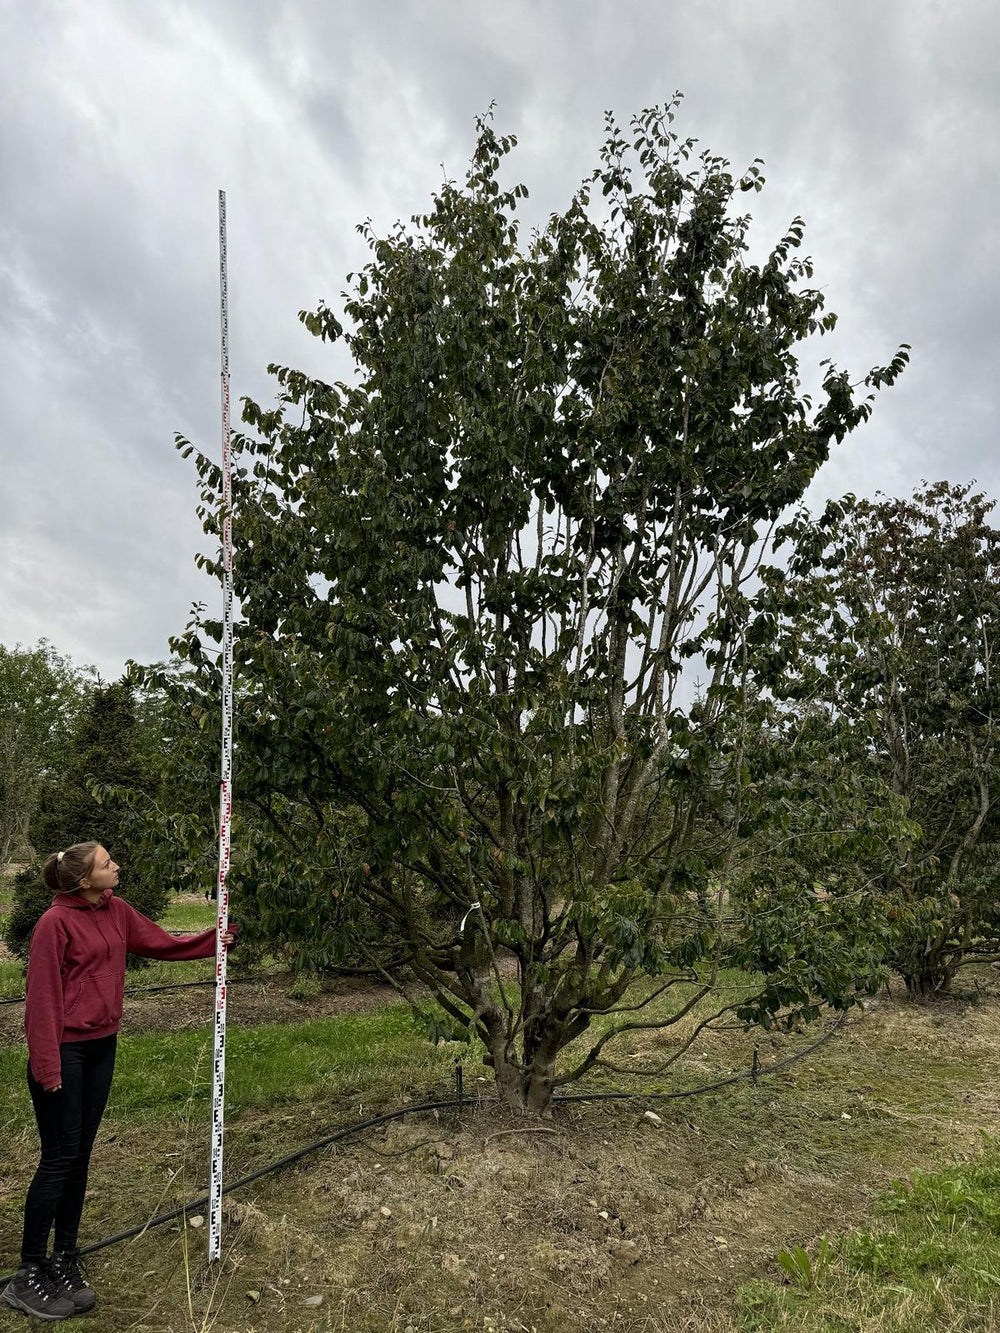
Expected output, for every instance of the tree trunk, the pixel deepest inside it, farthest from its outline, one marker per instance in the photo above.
(540, 1086)
(525, 1089)
(929, 983)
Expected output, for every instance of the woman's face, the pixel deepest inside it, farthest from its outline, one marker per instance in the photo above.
(103, 873)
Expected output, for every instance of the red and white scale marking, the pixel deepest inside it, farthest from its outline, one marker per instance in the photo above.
(225, 789)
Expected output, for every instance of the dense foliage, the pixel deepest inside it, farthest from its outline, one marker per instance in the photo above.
(42, 695)
(91, 795)
(476, 583)
(887, 621)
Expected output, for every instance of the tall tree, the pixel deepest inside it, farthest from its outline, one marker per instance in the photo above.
(89, 796)
(475, 581)
(42, 695)
(889, 620)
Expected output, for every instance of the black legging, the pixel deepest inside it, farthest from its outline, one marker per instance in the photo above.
(67, 1125)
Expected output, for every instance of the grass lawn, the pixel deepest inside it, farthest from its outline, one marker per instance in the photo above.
(928, 1257)
(188, 913)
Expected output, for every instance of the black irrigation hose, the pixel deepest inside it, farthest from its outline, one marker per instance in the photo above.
(176, 985)
(459, 1101)
(195, 1204)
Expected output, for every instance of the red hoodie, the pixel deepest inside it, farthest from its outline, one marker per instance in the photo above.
(76, 971)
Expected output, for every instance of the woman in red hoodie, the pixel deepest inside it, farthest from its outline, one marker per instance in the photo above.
(76, 978)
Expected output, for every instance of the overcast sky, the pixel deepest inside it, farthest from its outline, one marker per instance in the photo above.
(121, 119)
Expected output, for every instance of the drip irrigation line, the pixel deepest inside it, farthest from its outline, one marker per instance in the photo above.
(175, 985)
(288, 1160)
(182, 985)
(460, 1101)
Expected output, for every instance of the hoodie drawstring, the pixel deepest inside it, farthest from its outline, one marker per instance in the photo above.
(100, 927)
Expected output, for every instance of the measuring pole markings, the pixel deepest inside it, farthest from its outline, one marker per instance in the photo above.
(225, 787)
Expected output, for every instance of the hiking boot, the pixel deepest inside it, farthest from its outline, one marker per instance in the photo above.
(65, 1269)
(33, 1290)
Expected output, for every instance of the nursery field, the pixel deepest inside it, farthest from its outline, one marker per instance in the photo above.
(752, 1207)
(615, 835)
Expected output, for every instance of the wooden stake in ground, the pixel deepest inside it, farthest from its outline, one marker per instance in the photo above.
(225, 788)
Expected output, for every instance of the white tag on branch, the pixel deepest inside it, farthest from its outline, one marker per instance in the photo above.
(465, 918)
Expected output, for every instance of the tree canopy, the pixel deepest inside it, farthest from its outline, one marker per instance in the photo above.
(887, 619)
(478, 580)
(103, 771)
(42, 695)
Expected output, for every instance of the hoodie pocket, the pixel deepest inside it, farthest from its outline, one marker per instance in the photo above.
(100, 1002)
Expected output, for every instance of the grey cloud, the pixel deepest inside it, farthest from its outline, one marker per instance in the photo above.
(877, 122)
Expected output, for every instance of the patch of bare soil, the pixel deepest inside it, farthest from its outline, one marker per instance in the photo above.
(249, 1004)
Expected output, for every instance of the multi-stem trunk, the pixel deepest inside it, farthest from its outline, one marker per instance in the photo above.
(929, 982)
(526, 1087)
(525, 1069)
(525, 1090)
